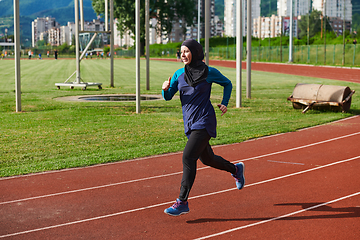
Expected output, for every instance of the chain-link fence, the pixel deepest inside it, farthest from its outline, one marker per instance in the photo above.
(313, 54)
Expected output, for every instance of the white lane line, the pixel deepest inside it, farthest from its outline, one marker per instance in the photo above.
(285, 162)
(277, 218)
(176, 173)
(168, 203)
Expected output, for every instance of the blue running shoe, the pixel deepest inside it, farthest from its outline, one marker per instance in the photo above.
(239, 175)
(178, 208)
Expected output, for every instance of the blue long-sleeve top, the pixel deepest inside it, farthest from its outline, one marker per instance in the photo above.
(198, 112)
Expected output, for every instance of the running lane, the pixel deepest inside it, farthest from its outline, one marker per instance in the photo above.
(299, 184)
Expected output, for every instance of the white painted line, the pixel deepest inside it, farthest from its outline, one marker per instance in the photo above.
(168, 203)
(277, 218)
(173, 174)
(285, 162)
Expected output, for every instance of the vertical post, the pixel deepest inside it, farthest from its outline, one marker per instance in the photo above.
(324, 32)
(269, 30)
(106, 15)
(281, 31)
(308, 31)
(17, 55)
(291, 33)
(343, 59)
(81, 15)
(238, 52)
(111, 43)
(137, 54)
(207, 30)
(77, 41)
(248, 46)
(308, 24)
(147, 19)
(199, 10)
(354, 54)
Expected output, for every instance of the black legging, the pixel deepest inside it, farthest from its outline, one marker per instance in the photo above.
(198, 147)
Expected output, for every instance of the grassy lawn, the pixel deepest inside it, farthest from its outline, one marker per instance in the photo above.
(51, 134)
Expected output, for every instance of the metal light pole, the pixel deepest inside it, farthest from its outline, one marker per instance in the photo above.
(17, 55)
(248, 46)
(147, 41)
(137, 42)
(77, 44)
(207, 30)
(269, 30)
(308, 31)
(324, 32)
(343, 60)
(291, 32)
(198, 33)
(239, 46)
(111, 43)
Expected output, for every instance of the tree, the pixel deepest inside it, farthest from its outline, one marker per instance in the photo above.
(315, 24)
(165, 12)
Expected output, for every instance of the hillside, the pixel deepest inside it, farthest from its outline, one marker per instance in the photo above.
(62, 10)
(30, 7)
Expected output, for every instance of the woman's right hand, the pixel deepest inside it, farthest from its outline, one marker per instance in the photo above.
(166, 84)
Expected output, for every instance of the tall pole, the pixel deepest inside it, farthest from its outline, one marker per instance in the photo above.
(81, 15)
(248, 46)
(343, 60)
(207, 30)
(269, 29)
(291, 32)
(77, 44)
(199, 10)
(308, 31)
(106, 15)
(147, 41)
(17, 55)
(324, 32)
(281, 31)
(111, 43)
(137, 42)
(308, 24)
(238, 52)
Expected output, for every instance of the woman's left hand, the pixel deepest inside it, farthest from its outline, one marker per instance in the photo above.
(223, 108)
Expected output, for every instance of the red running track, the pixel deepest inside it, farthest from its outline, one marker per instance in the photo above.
(299, 185)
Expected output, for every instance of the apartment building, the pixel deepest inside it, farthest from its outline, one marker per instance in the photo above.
(41, 25)
(265, 27)
(230, 16)
(300, 7)
(334, 8)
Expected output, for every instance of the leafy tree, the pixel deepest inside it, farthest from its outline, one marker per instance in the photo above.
(166, 12)
(41, 43)
(315, 24)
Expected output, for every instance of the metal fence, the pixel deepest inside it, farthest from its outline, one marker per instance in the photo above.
(313, 54)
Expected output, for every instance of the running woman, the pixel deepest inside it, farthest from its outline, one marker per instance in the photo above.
(194, 83)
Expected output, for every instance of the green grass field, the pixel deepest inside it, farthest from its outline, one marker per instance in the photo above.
(49, 134)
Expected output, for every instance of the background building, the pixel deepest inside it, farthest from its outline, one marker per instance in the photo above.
(264, 27)
(230, 16)
(40, 25)
(300, 7)
(334, 8)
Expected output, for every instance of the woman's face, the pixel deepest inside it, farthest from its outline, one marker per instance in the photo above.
(186, 56)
